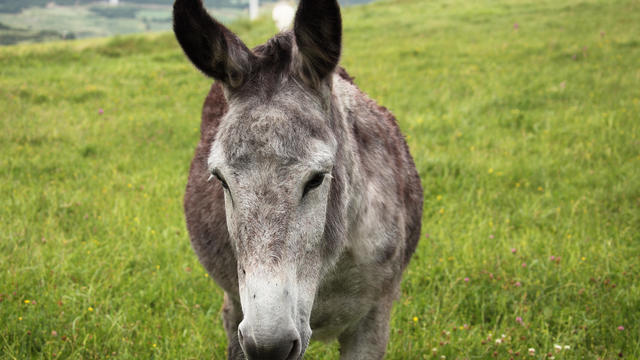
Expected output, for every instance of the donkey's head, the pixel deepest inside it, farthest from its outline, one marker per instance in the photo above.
(274, 155)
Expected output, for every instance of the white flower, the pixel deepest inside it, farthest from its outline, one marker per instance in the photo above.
(499, 341)
(557, 347)
(532, 351)
(567, 347)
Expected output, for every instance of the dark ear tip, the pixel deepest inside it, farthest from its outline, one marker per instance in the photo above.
(183, 8)
(189, 6)
(180, 4)
(318, 33)
(210, 46)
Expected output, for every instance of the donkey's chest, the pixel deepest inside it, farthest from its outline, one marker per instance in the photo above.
(333, 313)
(346, 296)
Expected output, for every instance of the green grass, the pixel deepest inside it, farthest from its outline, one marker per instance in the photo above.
(525, 139)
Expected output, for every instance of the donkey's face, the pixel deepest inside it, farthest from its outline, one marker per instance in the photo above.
(276, 177)
(274, 154)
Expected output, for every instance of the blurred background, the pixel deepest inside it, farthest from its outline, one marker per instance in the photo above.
(46, 20)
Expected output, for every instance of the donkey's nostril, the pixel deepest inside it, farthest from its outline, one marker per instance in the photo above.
(295, 350)
(284, 347)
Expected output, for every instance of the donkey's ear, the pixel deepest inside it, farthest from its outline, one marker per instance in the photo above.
(318, 31)
(210, 46)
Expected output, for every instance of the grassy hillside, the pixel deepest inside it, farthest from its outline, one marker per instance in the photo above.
(45, 20)
(16, 6)
(94, 20)
(523, 118)
(9, 35)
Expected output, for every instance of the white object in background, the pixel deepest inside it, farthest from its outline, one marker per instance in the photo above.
(113, 2)
(253, 9)
(283, 15)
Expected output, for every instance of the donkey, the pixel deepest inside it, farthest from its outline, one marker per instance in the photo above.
(303, 202)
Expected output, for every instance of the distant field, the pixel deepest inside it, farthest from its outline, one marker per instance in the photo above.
(523, 119)
(16, 6)
(10, 35)
(98, 20)
(35, 21)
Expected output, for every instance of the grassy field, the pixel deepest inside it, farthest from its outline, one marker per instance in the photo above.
(523, 117)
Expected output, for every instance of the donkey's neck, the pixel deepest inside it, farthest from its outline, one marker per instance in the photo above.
(375, 170)
(349, 101)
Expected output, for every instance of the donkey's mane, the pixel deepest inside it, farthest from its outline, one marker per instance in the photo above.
(276, 53)
(275, 60)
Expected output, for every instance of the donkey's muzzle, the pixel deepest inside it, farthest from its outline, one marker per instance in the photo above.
(283, 346)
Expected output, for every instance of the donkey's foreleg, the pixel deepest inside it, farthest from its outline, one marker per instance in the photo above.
(231, 318)
(368, 339)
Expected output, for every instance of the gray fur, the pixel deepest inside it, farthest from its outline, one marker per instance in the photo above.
(327, 263)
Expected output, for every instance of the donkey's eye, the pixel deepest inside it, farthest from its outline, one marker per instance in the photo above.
(221, 179)
(315, 181)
